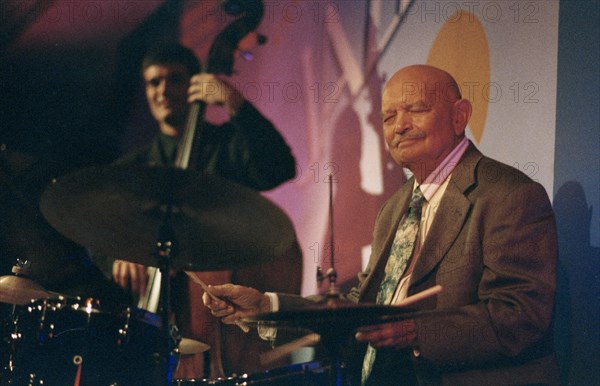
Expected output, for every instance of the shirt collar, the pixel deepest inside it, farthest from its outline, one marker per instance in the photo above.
(436, 178)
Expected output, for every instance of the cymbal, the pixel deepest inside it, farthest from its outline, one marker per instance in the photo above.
(120, 212)
(341, 314)
(190, 346)
(335, 308)
(20, 290)
(336, 317)
(335, 321)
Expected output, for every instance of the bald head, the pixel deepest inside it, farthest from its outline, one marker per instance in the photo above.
(427, 81)
(424, 117)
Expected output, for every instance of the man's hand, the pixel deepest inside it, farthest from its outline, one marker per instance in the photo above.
(213, 90)
(130, 276)
(396, 335)
(235, 302)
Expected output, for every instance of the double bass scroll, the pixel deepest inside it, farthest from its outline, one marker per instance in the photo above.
(220, 61)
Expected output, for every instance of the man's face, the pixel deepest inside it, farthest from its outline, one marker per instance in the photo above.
(166, 91)
(418, 119)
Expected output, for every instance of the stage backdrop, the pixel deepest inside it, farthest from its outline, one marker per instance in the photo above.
(320, 76)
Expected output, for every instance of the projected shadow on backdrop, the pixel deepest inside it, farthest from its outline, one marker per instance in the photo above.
(578, 293)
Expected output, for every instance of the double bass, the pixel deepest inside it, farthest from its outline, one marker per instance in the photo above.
(191, 316)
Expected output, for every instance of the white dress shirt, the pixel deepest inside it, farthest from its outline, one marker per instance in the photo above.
(433, 189)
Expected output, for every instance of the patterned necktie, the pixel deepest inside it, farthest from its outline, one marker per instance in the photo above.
(400, 253)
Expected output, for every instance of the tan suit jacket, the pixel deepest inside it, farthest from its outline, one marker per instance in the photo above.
(493, 248)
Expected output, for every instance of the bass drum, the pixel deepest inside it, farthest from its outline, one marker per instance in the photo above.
(70, 341)
(303, 374)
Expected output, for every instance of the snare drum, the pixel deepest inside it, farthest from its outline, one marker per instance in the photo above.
(70, 341)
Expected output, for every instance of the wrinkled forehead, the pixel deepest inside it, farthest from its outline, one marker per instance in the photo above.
(431, 91)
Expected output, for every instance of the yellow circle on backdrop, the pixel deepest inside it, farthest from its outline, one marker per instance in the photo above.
(461, 48)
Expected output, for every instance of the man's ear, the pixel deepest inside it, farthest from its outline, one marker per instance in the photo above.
(462, 114)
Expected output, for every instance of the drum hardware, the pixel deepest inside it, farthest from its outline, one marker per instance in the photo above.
(333, 292)
(165, 247)
(183, 346)
(77, 361)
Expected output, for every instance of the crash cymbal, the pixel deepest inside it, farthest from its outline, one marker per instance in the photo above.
(215, 224)
(190, 346)
(19, 290)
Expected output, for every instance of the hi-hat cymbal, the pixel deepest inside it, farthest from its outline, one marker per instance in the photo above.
(340, 314)
(335, 322)
(120, 210)
(336, 310)
(20, 290)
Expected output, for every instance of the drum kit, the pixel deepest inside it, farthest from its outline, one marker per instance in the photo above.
(172, 219)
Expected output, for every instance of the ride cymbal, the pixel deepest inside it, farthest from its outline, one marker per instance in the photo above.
(122, 211)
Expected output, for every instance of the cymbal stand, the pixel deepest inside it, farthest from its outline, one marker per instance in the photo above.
(333, 291)
(332, 340)
(166, 249)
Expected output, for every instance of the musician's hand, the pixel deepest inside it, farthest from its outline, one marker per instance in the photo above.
(130, 276)
(396, 335)
(237, 302)
(211, 89)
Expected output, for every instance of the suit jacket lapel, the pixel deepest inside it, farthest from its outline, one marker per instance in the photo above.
(389, 219)
(450, 216)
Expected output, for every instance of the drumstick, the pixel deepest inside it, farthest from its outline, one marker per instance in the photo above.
(277, 353)
(206, 289)
(436, 289)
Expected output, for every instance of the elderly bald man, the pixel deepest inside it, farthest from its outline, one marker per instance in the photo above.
(483, 230)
